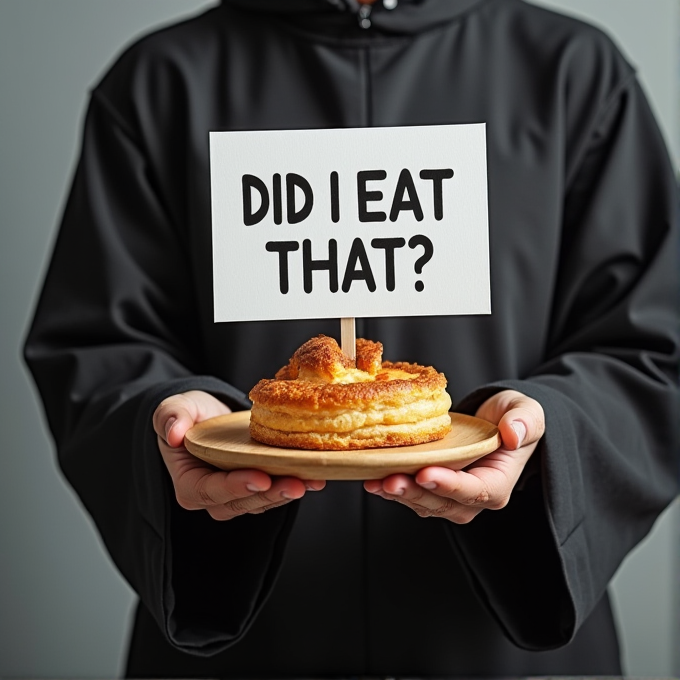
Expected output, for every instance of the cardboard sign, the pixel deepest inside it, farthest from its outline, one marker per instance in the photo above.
(350, 222)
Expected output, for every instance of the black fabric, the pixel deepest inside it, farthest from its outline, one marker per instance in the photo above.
(403, 622)
(584, 276)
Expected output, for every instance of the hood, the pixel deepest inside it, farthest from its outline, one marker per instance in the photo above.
(402, 17)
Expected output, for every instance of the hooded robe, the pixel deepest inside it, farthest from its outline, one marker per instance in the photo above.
(584, 290)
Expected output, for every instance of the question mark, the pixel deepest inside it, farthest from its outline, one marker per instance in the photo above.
(414, 242)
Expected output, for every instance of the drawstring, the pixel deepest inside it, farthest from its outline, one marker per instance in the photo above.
(364, 15)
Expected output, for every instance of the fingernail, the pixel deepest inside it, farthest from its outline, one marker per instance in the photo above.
(429, 485)
(168, 426)
(399, 491)
(254, 488)
(309, 487)
(520, 430)
(287, 496)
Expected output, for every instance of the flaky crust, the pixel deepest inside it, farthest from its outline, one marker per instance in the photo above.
(319, 359)
(376, 437)
(322, 400)
(308, 396)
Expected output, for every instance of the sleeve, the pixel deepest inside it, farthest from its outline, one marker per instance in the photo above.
(112, 336)
(608, 463)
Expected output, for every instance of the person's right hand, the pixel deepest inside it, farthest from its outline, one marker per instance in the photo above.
(200, 486)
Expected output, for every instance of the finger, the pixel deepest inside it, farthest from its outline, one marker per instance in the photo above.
(283, 491)
(223, 513)
(424, 502)
(479, 488)
(202, 487)
(315, 484)
(259, 511)
(421, 501)
(373, 485)
(409, 490)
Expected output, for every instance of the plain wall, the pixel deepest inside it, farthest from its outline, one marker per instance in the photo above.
(64, 610)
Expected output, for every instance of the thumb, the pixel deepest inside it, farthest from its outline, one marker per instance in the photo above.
(173, 418)
(522, 425)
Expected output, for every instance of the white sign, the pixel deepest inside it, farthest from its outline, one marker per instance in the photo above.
(350, 222)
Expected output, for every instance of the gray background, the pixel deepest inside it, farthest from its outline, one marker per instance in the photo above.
(64, 610)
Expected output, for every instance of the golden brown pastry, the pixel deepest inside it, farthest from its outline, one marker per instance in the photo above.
(322, 400)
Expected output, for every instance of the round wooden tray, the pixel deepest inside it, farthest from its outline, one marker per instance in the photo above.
(225, 442)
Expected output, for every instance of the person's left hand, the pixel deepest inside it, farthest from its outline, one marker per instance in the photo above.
(460, 495)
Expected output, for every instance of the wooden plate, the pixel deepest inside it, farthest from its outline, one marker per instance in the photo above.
(225, 442)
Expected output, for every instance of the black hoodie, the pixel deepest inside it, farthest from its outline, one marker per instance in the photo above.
(584, 265)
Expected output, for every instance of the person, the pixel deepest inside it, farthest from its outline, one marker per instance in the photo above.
(501, 569)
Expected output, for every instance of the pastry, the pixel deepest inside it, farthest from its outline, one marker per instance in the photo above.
(323, 400)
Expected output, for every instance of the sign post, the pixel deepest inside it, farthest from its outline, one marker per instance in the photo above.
(348, 337)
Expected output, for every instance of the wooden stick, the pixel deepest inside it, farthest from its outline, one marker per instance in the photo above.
(348, 337)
